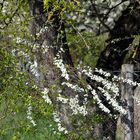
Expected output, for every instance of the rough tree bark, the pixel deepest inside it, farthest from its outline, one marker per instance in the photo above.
(127, 97)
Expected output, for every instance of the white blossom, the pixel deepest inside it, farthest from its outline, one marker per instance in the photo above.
(62, 99)
(58, 121)
(29, 115)
(61, 66)
(34, 68)
(46, 96)
(107, 84)
(76, 108)
(112, 101)
(42, 30)
(99, 102)
(74, 87)
(116, 78)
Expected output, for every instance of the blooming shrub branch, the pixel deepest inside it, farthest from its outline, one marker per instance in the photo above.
(45, 96)
(74, 87)
(117, 78)
(29, 115)
(99, 102)
(61, 66)
(106, 83)
(76, 108)
(58, 121)
(112, 101)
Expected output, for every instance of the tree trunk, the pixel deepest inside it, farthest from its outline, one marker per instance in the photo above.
(51, 35)
(128, 101)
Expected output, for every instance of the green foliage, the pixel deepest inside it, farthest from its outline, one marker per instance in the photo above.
(133, 52)
(16, 127)
(86, 47)
(62, 7)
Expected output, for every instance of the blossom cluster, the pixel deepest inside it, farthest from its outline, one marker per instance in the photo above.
(116, 7)
(29, 65)
(74, 87)
(58, 121)
(61, 66)
(117, 78)
(76, 108)
(22, 41)
(46, 96)
(110, 11)
(62, 99)
(29, 115)
(34, 68)
(106, 74)
(107, 84)
(98, 101)
(59, 63)
(112, 101)
(73, 102)
(45, 48)
(42, 30)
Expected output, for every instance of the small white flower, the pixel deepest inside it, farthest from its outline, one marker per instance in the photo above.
(58, 121)
(62, 99)
(29, 115)
(46, 96)
(59, 63)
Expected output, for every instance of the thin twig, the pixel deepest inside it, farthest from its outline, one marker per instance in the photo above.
(81, 37)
